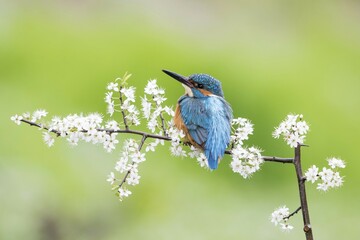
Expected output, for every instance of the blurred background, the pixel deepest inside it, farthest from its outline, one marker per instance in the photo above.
(273, 58)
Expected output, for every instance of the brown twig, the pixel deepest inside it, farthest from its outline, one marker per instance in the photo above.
(40, 126)
(122, 111)
(292, 214)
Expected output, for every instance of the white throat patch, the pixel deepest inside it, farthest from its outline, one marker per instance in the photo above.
(188, 91)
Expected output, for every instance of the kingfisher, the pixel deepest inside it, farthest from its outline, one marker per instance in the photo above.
(204, 115)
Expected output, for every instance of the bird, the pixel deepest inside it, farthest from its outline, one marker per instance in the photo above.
(204, 115)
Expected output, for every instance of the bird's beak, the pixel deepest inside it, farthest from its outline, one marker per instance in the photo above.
(182, 79)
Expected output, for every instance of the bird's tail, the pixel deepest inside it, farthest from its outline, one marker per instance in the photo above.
(213, 159)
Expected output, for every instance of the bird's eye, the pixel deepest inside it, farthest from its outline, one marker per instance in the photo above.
(200, 86)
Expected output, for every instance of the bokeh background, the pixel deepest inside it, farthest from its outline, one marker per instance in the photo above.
(273, 58)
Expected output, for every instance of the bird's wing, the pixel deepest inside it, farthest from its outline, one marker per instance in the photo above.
(196, 119)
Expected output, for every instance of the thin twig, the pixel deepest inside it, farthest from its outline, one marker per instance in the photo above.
(163, 124)
(122, 111)
(292, 214)
(40, 126)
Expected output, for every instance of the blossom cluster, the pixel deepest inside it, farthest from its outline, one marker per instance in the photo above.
(245, 161)
(328, 177)
(128, 164)
(153, 110)
(126, 96)
(176, 136)
(74, 128)
(242, 128)
(36, 115)
(281, 217)
(199, 156)
(293, 129)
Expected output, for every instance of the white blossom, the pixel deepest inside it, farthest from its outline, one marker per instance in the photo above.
(202, 160)
(336, 162)
(159, 99)
(100, 137)
(146, 107)
(293, 129)
(110, 142)
(38, 114)
(121, 165)
(177, 151)
(111, 108)
(199, 156)
(73, 138)
(129, 93)
(26, 115)
(337, 180)
(16, 119)
(169, 111)
(279, 214)
(48, 139)
(242, 129)
(312, 174)
(113, 125)
(111, 178)
(152, 124)
(151, 146)
(108, 97)
(151, 88)
(113, 86)
(330, 179)
(176, 135)
(138, 157)
(123, 192)
(246, 161)
(131, 112)
(286, 227)
(133, 178)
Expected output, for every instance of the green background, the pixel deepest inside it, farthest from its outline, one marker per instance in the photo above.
(273, 58)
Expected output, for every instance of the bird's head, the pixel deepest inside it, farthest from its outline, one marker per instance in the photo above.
(198, 85)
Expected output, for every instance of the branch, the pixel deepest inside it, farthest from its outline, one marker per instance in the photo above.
(155, 136)
(278, 159)
(40, 126)
(148, 135)
(302, 192)
(271, 159)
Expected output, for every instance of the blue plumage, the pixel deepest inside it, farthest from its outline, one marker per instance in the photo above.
(204, 115)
